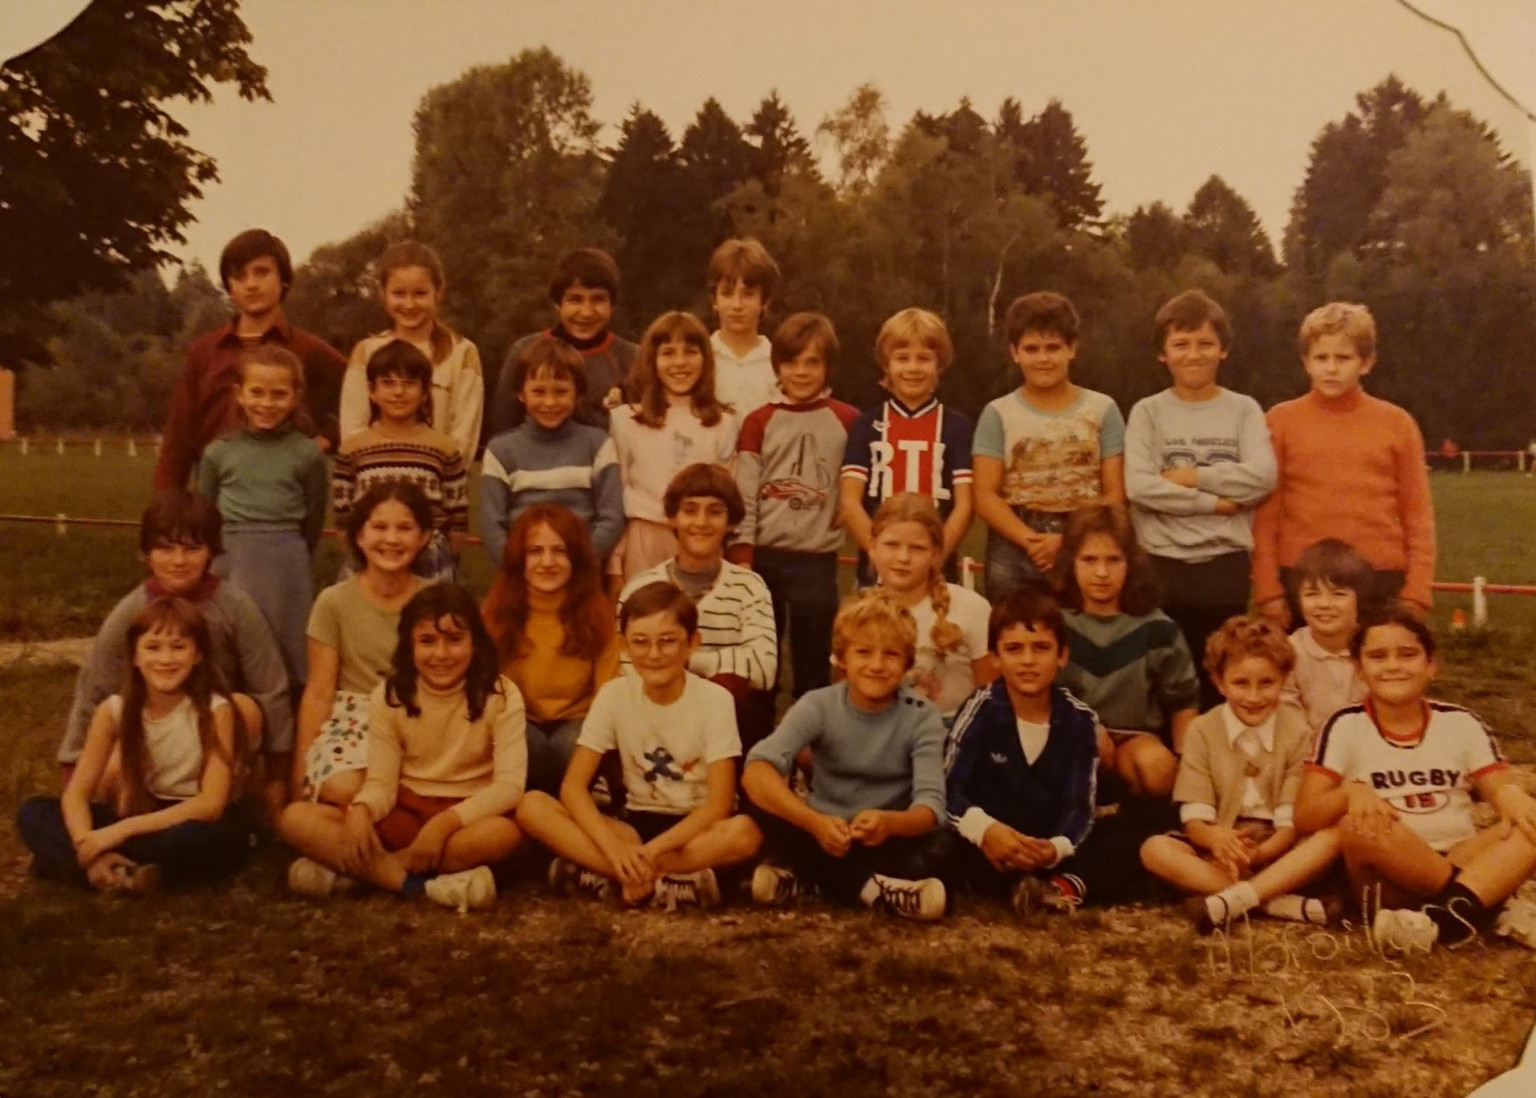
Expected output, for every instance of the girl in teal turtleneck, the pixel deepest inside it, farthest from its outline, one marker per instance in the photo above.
(270, 484)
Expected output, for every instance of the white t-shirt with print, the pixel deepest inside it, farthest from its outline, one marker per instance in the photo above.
(1051, 459)
(948, 680)
(1429, 782)
(665, 750)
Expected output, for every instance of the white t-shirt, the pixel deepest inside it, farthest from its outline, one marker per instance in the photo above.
(174, 750)
(1428, 782)
(948, 680)
(665, 750)
(1032, 738)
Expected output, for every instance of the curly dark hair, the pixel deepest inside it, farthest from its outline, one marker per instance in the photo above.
(432, 604)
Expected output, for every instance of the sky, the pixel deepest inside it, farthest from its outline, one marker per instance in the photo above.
(1165, 92)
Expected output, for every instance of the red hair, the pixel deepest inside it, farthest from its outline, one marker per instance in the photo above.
(586, 615)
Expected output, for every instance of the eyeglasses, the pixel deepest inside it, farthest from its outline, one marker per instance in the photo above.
(668, 645)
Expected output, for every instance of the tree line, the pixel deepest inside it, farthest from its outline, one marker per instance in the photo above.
(1408, 204)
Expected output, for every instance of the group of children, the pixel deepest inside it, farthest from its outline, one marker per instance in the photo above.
(1110, 705)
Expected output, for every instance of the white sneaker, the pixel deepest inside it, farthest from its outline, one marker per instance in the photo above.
(1518, 922)
(773, 884)
(566, 877)
(1404, 930)
(699, 888)
(471, 889)
(307, 877)
(922, 900)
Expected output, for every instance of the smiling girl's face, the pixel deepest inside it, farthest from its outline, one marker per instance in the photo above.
(391, 538)
(442, 651)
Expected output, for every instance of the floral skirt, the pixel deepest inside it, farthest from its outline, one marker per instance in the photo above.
(341, 745)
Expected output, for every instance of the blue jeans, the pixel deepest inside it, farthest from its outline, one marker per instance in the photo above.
(804, 590)
(1008, 566)
(195, 852)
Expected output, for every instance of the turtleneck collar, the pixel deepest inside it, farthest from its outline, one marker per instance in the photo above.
(545, 602)
(550, 434)
(1349, 402)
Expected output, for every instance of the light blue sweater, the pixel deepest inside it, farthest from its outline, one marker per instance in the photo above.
(892, 760)
(575, 466)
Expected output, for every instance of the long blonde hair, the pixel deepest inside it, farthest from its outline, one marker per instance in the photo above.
(945, 635)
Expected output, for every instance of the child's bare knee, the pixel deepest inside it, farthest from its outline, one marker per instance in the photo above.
(339, 789)
(743, 837)
(1156, 851)
(535, 806)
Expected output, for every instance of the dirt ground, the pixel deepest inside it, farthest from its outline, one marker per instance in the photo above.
(245, 991)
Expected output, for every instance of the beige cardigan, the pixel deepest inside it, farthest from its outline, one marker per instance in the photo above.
(1213, 770)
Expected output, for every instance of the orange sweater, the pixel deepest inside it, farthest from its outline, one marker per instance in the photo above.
(556, 686)
(1350, 468)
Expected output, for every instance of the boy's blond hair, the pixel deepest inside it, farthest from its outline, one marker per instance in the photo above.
(1242, 637)
(1337, 317)
(918, 326)
(874, 609)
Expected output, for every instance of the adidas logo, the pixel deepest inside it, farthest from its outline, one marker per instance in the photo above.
(999, 758)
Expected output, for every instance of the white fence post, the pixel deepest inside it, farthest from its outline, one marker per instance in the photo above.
(1479, 602)
(133, 451)
(967, 577)
(58, 447)
(60, 524)
(1466, 461)
(97, 448)
(23, 446)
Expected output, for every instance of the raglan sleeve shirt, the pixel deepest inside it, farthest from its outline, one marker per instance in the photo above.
(749, 468)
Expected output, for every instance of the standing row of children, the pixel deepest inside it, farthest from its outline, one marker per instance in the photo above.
(1040, 452)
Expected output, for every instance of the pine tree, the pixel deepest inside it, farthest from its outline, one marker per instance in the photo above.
(1221, 225)
(1052, 163)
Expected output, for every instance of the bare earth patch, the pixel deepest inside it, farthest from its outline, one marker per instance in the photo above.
(244, 991)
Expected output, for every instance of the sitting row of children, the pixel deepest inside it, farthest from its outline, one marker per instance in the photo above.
(873, 777)
(1223, 497)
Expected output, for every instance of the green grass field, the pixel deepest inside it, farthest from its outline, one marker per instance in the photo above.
(60, 586)
(245, 991)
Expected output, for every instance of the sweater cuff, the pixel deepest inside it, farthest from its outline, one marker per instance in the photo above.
(1285, 816)
(1064, 849)
(973, 825)
(1205, 813)
(373, 805)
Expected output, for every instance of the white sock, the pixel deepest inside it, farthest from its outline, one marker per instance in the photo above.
(1298, 909)
(1232, 902)
(869, 893)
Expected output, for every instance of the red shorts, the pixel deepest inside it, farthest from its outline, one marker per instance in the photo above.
(399, 829)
